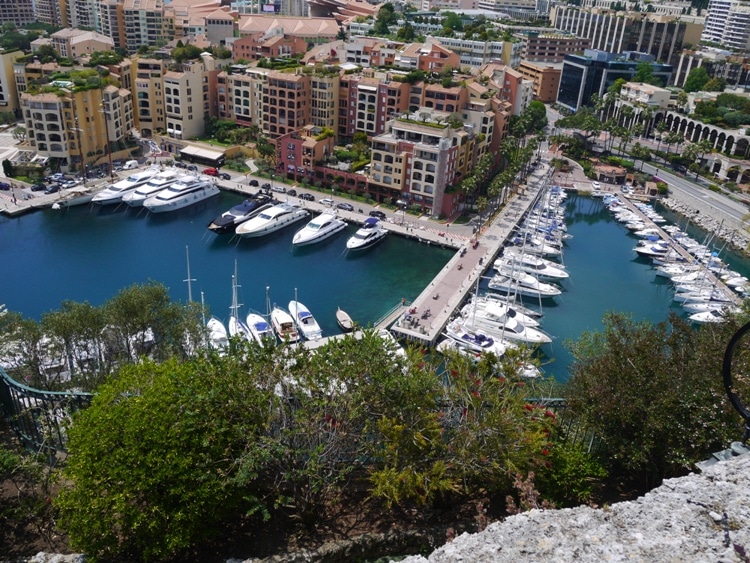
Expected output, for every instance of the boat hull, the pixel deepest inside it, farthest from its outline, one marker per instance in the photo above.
(182, 202)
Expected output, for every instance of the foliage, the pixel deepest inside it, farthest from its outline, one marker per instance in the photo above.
(644, 72)
(696, 79)
(728, 110)
(715, 85)
(571, 476)
(186, 53)
(537, 113)
(386, 17)
(652, 395)
(105, 58)
(163, 457)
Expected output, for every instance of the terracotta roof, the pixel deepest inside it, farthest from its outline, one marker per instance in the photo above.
(301, 27)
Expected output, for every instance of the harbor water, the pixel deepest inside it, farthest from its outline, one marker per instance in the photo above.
(90, 253)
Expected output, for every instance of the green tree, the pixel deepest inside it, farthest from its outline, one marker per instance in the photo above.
(653, 395)
(715, 85)
(163, 457)
(644, 72)
(696, 79)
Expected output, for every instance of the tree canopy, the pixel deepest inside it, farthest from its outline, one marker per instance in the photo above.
(696, 80)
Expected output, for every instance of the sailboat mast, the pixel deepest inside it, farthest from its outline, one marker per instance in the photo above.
(189, 280)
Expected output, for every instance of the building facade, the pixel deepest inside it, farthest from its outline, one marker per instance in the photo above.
(545, 80)
(728, 24)
(551, 47)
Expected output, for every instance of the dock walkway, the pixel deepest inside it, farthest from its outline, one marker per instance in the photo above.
(450, 288)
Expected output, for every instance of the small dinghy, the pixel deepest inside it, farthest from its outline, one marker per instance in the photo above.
(345, 321)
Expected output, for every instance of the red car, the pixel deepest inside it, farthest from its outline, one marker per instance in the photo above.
(211, 172)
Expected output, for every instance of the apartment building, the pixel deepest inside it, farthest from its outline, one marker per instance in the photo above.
(70, 124)
(74, 43)
(240, 96)
(420, 156)
(19, 12)
(82, 13)
(27, 74)
(551, 47)
(663, 37)
(719, 63)
(545, 79)
(286, 103)
(274, 44)
(728, 24)
(313, 30)
(508, 85)
(146, 77)
(51, 12)
(368, 101)
(112, 21)
(117, 108)
(219, 27)
(595, 71)
(8, 91)
(190, 96)
(298, 151)
(144, 24)
(637, 93)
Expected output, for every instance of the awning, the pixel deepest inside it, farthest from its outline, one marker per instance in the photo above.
(196, 152)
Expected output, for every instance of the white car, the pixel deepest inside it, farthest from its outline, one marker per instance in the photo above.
(326, 201)
(596, 185)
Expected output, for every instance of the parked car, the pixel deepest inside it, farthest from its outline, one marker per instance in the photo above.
(55, 177)
(279, 189)
(291, 192)
(266, 186)
(192, 168)
(307, 197)
(210, 172)
(326, 201)
(224, 176)
(253, 182)
(4, 186)
(38, 187)
(596, 185)
(179, 164)
(51, 189)
(377, 213)
(345, 206)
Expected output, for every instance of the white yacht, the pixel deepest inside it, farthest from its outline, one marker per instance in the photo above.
(156, 184)
(318, 229)
(115, 192)
(474, 340)
(283, 325)
(535, 265)
(272, 219)
(185, 191)
(217, 335)
(305, 321)
(260, 329)
(369, 234)
(523, 284)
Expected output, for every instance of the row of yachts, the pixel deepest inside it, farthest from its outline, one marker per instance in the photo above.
(705, 287)
(526, 273)
(260, 215)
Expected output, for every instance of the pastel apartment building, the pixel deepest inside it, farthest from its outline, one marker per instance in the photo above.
(551, 47)
(367, 102)
(240, 96)
(147, 79)
(545, 79)
(75, 43)
(190, 97)
(274, 44)
(298, 152)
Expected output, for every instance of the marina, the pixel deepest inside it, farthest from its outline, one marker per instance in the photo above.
(395, 284)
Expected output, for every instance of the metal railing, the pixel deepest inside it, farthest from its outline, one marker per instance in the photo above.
(39, 418)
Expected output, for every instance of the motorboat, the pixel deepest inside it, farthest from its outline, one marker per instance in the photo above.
(509, 300)
(76, 196)
(474, 340)
(272, 219)
(115, 192)
(159, 182)
(503, 326)
(188, 190)
(344, 320)
(305, 321)
(496, 311)
(711, 316)
(318, 229)
(260, 329)
(523, 284)
(283, 324)
(539, 267)
(370, 233)
(217, 335)
(652, 249)
(228, 221)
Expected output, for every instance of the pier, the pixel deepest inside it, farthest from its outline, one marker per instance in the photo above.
(424, 320)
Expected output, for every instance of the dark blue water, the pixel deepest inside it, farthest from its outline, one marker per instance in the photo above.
(90, 253)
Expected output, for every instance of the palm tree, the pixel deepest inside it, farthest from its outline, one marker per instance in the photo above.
(661, 128)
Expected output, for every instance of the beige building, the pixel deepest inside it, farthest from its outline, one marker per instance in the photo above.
(190, 97)
(48, 11)
(74, 43)
(240, 96)
(112, 21)
(637, 93)
(8, 91)
(70, 125)
(144, 24)
(146, 76)
(545, 79)
(286, 105)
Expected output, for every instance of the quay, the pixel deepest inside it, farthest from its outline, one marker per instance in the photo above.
(712, 278)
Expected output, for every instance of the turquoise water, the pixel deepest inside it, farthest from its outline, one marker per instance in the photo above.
(89, 253)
